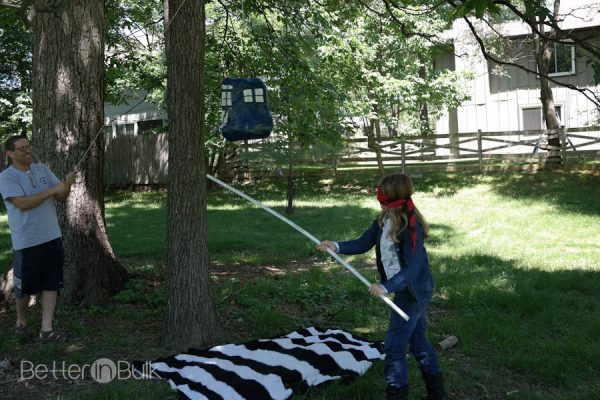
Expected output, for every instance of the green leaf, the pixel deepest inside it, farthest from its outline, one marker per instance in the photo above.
(480, 7)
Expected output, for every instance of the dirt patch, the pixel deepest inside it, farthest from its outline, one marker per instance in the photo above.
(246, 271)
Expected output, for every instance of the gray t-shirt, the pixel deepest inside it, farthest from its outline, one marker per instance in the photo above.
(37, 225)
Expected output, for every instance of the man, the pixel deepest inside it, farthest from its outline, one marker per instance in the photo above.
(29, 190)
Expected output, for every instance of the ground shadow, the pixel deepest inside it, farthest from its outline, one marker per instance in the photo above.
(573, 192)
(519, 325)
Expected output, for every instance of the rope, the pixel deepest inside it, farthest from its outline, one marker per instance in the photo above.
(102, 129)
(173, 18)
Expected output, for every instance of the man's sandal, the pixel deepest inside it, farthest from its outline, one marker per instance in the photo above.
(51, 336)
(21, 330)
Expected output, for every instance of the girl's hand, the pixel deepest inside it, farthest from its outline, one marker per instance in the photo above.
(377, 290)
(326, 244)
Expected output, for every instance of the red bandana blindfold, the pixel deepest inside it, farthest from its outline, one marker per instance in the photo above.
(410, 207)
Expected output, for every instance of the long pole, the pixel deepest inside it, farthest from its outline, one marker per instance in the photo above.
(311, 237)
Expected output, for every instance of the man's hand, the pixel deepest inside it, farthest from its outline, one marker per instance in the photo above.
(59, 189)
(377, 289)
(63, 189)
(70, 179)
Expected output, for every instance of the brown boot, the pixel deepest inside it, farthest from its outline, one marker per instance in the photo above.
(396, 393)
(435, 387)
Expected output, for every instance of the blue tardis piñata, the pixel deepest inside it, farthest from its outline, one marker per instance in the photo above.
(245, 108)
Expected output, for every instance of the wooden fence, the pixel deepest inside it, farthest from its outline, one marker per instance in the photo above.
(136, 160)
(143, 159)
(480, 150)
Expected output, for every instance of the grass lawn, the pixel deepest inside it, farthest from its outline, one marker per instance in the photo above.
(515, 257)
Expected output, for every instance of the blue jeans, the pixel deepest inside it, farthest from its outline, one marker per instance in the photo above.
(410, 333)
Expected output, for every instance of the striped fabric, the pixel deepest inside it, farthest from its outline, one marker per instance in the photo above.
(268, 368)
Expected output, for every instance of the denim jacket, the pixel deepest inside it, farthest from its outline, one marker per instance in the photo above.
(414, 278)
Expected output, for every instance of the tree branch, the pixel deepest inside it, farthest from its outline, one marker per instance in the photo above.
(589, 94)
(406, 31)
(27, 10)
(10, 5)
(556, 35)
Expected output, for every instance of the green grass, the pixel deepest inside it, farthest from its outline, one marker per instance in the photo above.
(515, 258)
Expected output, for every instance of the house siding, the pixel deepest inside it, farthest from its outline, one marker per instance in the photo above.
(496, 102)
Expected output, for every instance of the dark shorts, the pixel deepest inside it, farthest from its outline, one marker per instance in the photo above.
(38, 268)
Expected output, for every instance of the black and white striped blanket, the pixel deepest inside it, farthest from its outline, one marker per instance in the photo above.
(270, 369)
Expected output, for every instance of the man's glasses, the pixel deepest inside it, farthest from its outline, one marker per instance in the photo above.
(24, 148)
(31, 177)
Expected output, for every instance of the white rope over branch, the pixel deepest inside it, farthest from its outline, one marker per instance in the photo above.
(349, 267)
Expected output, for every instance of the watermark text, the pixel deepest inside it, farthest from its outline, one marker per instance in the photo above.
(103, 370)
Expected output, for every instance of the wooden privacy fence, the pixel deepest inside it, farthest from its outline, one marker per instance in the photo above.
(136, 160)
(130, 160)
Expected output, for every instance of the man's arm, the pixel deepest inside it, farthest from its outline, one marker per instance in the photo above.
(25, 203)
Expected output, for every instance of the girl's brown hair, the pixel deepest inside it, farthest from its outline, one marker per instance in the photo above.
(399, 186)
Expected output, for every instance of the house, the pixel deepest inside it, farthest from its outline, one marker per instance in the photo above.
(508, 98)
(133, 117)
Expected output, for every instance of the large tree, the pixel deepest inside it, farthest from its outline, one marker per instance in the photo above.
(68, 114)
(190, 315)
(543, 48)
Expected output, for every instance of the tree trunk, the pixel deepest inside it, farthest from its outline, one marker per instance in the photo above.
(543, 54)
(427, 136)
(369, 129)
(68, 113)
(7, 295)
(290, 179)
(191, 316)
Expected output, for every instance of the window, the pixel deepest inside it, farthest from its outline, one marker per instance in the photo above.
(534, 120)
(563, 60)
(144, 126)
(257, 96)
(558, 113)
(226, 95)
(129, 129)
(248, 96)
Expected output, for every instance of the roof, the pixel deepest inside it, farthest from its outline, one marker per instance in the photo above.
(574, 15)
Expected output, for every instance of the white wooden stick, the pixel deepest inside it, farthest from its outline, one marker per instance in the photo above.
(311, 237)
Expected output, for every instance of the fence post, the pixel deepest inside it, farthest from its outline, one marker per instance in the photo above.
(480, 150)
(402, 149)
(563, 147)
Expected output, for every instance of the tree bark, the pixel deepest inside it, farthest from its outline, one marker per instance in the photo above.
(543, 50)
(68, 113)
(427, 135)
(190, 316)
(369, 130)
(291, 190)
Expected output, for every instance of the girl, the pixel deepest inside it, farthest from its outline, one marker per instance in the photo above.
(398, 234)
